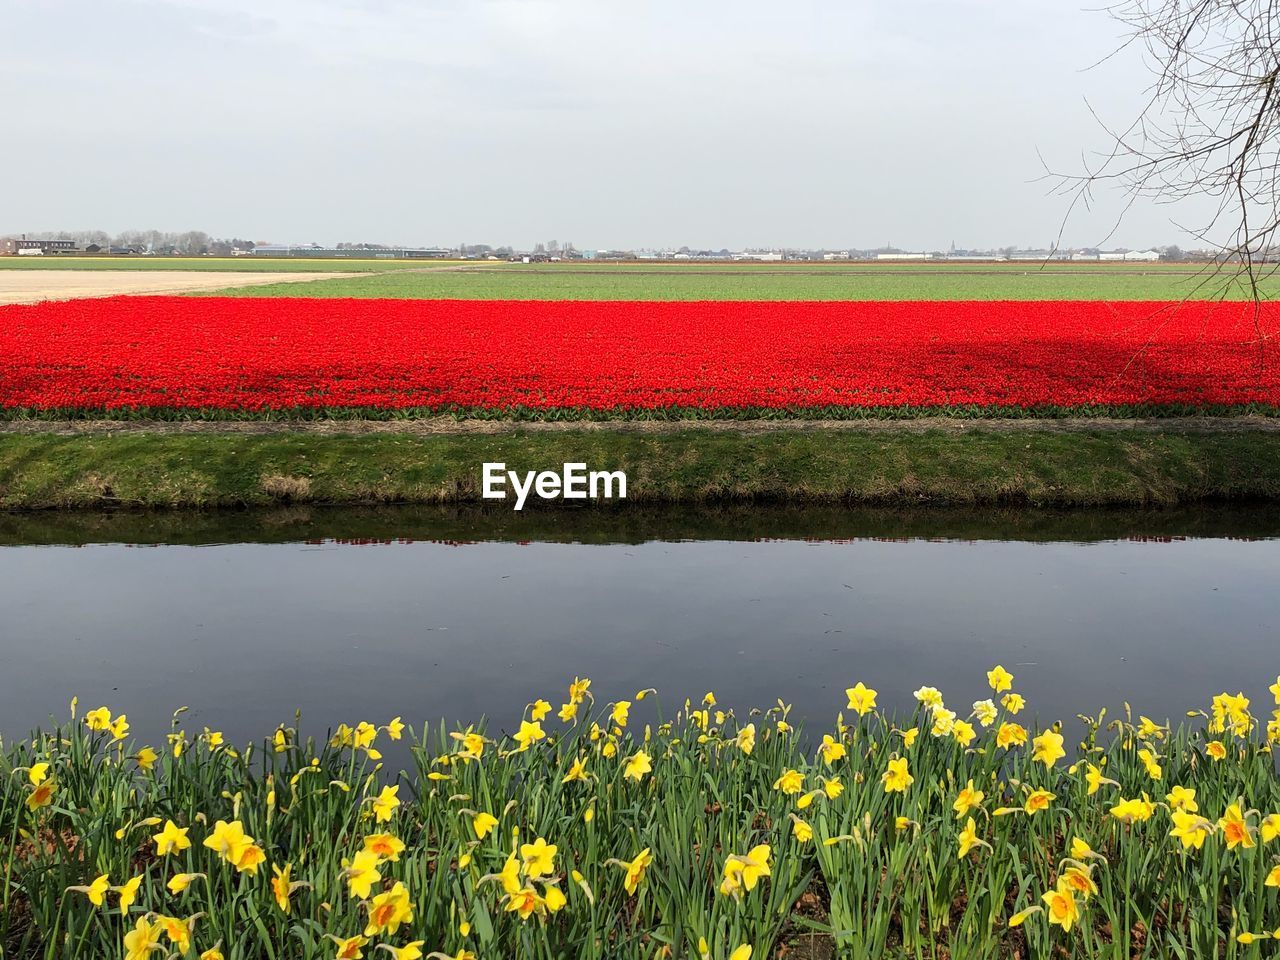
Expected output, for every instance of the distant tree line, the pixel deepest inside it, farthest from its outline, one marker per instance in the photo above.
(190, 243)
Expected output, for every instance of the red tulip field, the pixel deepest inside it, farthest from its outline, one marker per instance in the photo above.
(252, 355)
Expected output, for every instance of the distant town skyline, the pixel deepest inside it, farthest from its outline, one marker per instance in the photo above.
(201, 243)
(655, 125)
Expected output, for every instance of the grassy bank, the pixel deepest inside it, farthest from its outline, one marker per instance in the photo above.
(1077, 467)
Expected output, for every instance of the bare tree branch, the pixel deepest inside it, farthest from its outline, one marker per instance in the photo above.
(1210, 126)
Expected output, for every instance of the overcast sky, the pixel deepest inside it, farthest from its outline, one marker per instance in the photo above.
(608, 124)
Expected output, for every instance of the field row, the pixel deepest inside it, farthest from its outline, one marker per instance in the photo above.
(254, 355)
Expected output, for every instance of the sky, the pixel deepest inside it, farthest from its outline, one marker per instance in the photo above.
(603, 123)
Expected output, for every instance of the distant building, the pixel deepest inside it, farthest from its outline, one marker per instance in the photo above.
(840, 255)
(10, 247)
(770, 257)
(904, 256)
(346, 253)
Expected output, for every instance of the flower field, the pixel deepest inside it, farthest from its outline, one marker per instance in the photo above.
(604, 830)
(248, 356)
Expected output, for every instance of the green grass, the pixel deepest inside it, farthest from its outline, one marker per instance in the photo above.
(1047, 467)
(794, 282)
(625, 828)
(214, 264)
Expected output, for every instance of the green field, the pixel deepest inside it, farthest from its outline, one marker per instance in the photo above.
(436, 279)
(780, 282)
(216, 264)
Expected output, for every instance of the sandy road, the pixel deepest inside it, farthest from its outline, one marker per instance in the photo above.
(32, 286)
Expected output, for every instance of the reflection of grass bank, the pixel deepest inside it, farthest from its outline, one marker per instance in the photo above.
(1083, 467)
(598, 831)
(462, 523)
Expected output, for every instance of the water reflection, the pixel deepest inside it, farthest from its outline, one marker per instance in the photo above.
(354, 615)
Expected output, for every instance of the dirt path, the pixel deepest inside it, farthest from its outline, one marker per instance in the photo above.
(33, 286)
(449, 425)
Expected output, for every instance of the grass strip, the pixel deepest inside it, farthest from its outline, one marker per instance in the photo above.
(1047, 468)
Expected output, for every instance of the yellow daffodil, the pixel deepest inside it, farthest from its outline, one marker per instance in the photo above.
(384, 845)
(1094, 778)
(349, 948)
(128, 893)
(1190, 828)
(1079, 880)
(944, 722)
(385, 803)
(861, 698)
(228, 840)
(742, 873)
(1151, 763)
(790, 782)
(577, 772)
(1269, 828)
(1235, 830)
(1061, 907)
(362, 873)
(968, 798)
(999, 679)
(42, 795)
(897, 778)
(388, 910)
(1013, 702)
(1080, 850)
(1133, 811)
(746, 739)
(172, 839)
(529, 733)
(968, 839)
(1010, 735)
(638, 764)
(831, 749)
(178, 931)
(538, 858)
(1038, 800)
(1182, 798)
(142, 939)
(1048, 748)
(634, 870)
(179, 882)
(929, 697)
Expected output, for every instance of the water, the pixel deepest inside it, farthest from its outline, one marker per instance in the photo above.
(351, 615)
